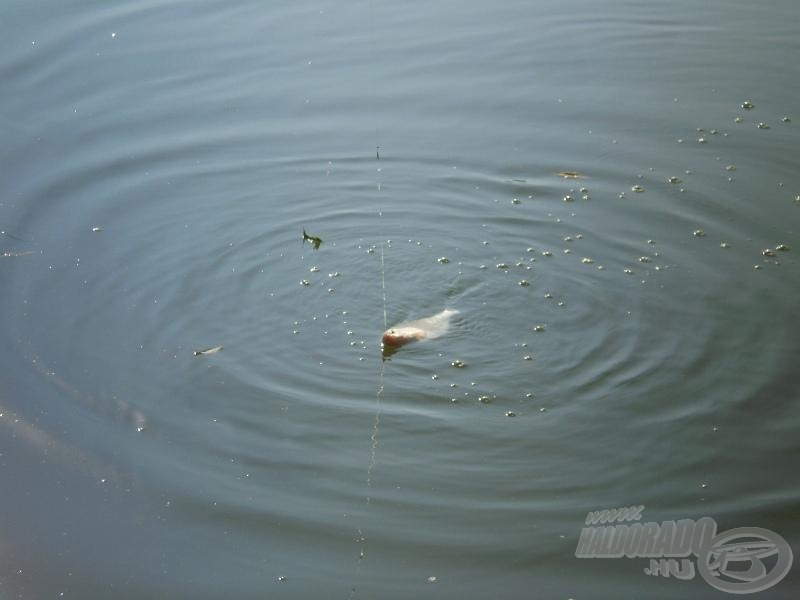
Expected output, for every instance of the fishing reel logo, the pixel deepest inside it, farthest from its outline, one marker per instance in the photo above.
(739, 561)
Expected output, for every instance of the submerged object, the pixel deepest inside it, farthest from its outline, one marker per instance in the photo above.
(213, 350)
(420, 329)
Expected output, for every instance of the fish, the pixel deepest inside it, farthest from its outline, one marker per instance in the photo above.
(419, 329)
(213, 350)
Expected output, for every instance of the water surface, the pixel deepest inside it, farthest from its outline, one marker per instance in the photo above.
(159, 163)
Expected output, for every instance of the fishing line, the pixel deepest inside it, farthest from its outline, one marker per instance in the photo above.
(376, 422)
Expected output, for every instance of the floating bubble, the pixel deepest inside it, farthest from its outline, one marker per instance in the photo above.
(730, 168)
(724, 245)
(305, 282)
(587, 261)
(627, 271)
(738, 120)
(644, 259)
(547, 253)
(501, 265)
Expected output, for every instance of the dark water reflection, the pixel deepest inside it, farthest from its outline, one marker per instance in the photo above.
(160, 161)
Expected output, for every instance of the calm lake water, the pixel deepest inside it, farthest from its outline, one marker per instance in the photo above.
(622, 339)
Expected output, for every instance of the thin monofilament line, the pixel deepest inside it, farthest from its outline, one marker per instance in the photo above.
(383, 283)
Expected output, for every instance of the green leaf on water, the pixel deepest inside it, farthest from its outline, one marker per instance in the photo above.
(315, 241)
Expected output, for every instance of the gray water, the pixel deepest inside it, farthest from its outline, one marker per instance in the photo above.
(159, 162)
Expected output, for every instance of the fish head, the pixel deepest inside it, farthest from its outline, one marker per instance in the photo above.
(398, 336)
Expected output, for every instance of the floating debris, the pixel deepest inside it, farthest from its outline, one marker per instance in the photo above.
(458, 364)
(511, 414)
(701, 140)
(501, 265)
(305, 282)
(782, 248)
(515, 201)
(527, 357)
(768, 252)
(97, 229)
(674, 180)
(738, 120)
(570, 175)
(485, 399)
(627, 271)
(567, 239)
(786, 120)
(431, 579)
(443, 260)
(314, 269)
(724, 245)
(13, 254)
(747, 105)
(763, 126)
(334, 274)
(568, 198)
(315, 241)
(644, 259)
(538, 328)
(637, 188)
(547, 253)
(699, 233)
(523, 283)
(587, 261)
(207, 351)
